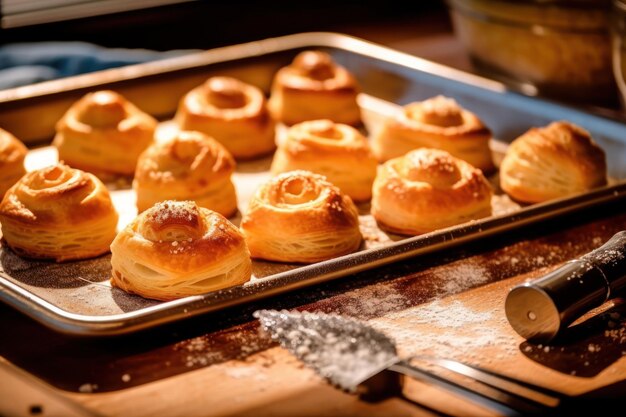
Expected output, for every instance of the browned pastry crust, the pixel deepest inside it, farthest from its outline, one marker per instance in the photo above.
(58, 213)
(426, 190)
(314, 87)
(337, 151)
(177, 249)
(188, 166)
(551, 162)
(103, 133)
(233, 112)
(12, 154)
(438, 123)
(299, 216)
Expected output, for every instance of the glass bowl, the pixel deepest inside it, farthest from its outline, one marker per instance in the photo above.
(561, 49)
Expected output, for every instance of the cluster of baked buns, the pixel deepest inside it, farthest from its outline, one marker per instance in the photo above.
(425, 170)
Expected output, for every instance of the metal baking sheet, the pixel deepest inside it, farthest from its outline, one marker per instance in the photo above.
(77, 298)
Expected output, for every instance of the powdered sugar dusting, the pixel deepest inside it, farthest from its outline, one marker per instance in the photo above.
(236, 343)
(182, 246)
(166, 211)
(246, 371)
(373, 301)
(447, 328)
(460, 276)
(453, 315)
(380, 298)
(199, 353)
(610, 255)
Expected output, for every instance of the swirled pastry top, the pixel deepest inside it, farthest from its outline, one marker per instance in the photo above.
(554, 161)
(175, 249)
(58, 213)
(56, 195)
(440, 123)
(233, 112)
(226, 98)
(428, 189)
(318, 138)
(299, 216)
(313, 87)
(12, 154)
(104, 132)
(309, 199)
(188, 166)
(173, 228)
(192, 158)
(316, 71)
(337, 151)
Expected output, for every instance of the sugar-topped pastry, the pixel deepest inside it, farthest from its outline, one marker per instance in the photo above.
(177, 249)
(58, 213)
(299, 216)
(439, 123)
(554, 161)
(314, 87)
(188, 166)
(104, 133)
(428, 189)
(337, 151)
(12, 154)
(233, 112)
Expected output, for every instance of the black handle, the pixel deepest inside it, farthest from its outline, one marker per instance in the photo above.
(610, 258)
(541, 309)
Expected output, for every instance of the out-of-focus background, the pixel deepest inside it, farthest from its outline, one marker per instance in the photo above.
(181, 24)
(47, 39)
(560, 49)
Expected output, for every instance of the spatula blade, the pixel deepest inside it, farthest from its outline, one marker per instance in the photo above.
(344, 351)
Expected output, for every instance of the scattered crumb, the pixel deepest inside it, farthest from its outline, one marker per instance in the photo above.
(87, 388)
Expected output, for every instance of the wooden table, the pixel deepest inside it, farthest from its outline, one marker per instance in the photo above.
(449, 304)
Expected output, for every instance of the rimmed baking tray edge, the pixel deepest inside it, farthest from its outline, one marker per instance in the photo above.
(85, 325)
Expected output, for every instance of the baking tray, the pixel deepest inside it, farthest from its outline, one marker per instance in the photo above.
(77, 298)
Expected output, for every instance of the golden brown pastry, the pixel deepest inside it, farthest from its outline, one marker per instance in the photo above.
(104, 133)
(335, 150)
(58, 213)
(438, 123)
(299, 216)
(550, 162)
(176, 249)
(12, 154)
(233, 112)
(314, 87)
(188, 166)
(428, 189)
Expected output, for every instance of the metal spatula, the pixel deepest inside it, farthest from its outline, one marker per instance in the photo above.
(359, 359)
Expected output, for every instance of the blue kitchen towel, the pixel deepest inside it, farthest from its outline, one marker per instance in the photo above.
(27, 63)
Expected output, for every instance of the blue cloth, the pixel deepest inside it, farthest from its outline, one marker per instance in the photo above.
(27, 63)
